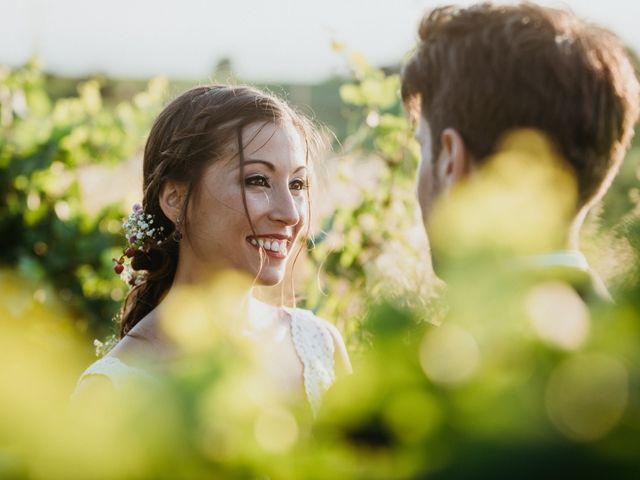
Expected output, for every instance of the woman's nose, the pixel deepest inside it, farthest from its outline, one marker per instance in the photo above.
(285, 209)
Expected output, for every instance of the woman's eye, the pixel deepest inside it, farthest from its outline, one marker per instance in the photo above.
(257, 181)
(298, 184)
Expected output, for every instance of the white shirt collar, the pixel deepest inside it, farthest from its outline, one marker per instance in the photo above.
(561, 258)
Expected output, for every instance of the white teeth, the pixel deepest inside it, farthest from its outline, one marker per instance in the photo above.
(272, 245)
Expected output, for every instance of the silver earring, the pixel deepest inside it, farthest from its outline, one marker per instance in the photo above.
(177, 234)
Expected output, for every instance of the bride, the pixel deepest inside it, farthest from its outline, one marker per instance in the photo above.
(226, 173)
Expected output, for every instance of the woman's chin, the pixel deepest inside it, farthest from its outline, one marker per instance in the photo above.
(269, 280)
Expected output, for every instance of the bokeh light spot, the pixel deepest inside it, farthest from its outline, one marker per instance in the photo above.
(558, 315)
(63, 210)
(586, 396)
(449, 354)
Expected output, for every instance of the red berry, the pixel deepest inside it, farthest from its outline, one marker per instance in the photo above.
(130, 252)
(119, 268)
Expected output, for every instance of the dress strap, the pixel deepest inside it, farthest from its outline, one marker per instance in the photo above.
(314, 345)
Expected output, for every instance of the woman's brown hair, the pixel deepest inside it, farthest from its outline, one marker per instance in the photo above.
(197, 128)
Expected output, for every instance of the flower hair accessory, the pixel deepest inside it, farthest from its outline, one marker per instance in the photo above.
(139, 230)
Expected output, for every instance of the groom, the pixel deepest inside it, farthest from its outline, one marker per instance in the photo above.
(483, 72)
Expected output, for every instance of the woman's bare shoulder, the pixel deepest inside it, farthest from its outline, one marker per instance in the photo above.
(91, 385)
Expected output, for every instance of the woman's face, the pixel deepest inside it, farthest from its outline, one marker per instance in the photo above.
(275, 182)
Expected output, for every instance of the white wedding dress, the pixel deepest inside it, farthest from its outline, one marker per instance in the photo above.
(313, 341)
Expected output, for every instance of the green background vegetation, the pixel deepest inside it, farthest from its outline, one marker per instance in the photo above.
(523, 405)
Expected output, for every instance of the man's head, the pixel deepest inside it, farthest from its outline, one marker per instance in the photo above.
(480, 72)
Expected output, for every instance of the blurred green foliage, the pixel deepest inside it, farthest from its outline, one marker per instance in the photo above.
(500, 375)
(48, 232)
(371, 245)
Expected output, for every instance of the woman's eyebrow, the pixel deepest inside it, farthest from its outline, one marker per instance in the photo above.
(270, 165)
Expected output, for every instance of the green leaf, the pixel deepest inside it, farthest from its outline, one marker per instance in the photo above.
(353, 94)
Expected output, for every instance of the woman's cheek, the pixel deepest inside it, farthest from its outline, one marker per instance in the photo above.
(302, 205)
(257, 203)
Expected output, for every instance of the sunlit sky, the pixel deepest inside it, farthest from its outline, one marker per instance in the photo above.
(268, 40)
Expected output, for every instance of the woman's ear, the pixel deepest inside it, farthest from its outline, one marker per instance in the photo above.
(454, 163)
(172, 198)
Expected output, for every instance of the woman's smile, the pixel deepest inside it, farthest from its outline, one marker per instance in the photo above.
(274, 245)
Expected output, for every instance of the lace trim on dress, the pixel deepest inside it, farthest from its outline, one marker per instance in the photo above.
(314, 345)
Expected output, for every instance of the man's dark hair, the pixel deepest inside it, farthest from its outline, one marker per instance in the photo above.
(487, 69)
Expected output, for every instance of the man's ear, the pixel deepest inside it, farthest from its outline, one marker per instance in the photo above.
(454, 162)
(172, 198)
